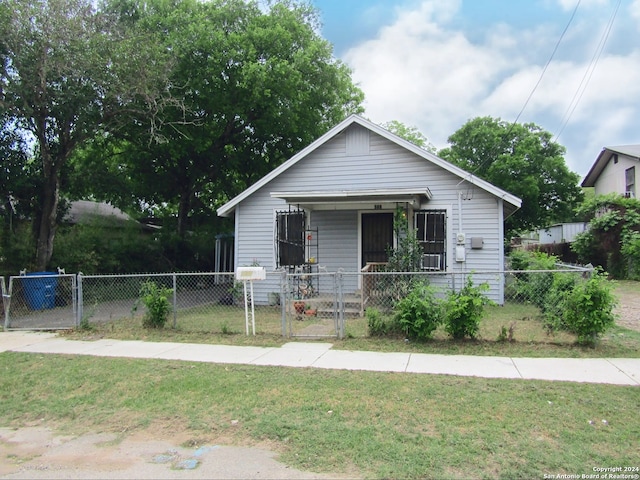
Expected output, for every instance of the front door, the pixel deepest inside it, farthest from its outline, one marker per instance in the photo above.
(377, 237)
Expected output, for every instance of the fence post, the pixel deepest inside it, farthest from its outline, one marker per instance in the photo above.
(5, 303)
(79, 300)
(175, 301)
(340, 279)
(283, 301)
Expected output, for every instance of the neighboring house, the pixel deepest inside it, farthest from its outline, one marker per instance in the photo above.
(332, 206)
(102, 214)
(86, 211)
(616, 170)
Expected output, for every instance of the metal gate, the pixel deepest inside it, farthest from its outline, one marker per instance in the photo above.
(314, 307)
(40, 301)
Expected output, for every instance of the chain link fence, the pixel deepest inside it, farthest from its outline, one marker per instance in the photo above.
(307, 305)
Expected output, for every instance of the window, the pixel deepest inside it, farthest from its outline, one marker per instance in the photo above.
(431, 230)
(630, 182)
(290, 228)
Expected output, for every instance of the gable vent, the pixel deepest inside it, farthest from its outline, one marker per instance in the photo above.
(357, 141)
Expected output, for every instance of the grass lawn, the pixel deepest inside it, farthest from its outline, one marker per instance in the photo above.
(226, 325)
(364, 424)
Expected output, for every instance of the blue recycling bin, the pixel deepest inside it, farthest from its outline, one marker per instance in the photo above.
(40, 290)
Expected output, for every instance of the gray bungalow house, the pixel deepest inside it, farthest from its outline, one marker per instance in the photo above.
(331, 207)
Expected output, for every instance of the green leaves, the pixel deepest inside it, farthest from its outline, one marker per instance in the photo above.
(521, 159)
(589, 308)
(464, 310)
(156, 299)
(612, 237)
(419, 313)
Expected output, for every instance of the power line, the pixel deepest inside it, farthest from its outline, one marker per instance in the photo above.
(577, 96)
(535, 87)
(544, 70)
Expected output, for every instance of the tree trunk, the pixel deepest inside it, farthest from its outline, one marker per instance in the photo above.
(47, 227)
(183, 211)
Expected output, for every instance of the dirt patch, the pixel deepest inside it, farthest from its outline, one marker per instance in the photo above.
(39, 453)
(628, 309)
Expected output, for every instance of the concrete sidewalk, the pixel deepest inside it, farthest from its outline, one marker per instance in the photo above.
(617, 371)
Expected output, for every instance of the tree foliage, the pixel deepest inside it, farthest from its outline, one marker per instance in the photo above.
(612, 239)
(258, 85)
(411, 134)
(174, 105)
(67, 73)
(523, 160)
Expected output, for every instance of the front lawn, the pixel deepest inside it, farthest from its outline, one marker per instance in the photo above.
(358, 424)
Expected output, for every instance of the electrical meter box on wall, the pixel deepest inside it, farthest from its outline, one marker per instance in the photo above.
(250, 273)
(477, 242)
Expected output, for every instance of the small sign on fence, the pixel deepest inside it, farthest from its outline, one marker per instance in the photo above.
(249, 274)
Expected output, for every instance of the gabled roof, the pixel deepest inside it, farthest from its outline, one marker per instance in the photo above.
(464, 176)
(82, 210)
(632, 151)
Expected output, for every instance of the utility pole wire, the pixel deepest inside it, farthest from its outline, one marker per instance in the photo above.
(544, 70)
(535, 87)
(582, 87)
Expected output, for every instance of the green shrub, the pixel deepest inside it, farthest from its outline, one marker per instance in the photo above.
(464, 310)
(375, 323)
(589, 308)
(531, 287)
(419, 313)
(156, 299)
(554, 303)
(631, 254)
(380, 325)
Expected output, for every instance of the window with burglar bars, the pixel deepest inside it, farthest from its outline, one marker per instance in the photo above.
(431, 230)
(290, 228)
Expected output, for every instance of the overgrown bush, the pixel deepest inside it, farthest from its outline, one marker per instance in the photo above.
(631, 254)
(105, 246)
(531, 287)
(464, 310)
(554, 302)
(156, 299)
(419, 313)
(377, 324)
(588, 308)
(611, 241)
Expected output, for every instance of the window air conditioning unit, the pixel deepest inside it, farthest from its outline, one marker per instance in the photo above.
(431, 261)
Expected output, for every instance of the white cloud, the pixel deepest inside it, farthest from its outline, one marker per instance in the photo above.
(418, 72)
(422, 71)
(634, 11)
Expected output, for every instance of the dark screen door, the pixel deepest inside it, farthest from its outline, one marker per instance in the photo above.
(377, 237)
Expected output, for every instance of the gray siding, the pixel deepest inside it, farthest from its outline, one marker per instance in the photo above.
(374, 163)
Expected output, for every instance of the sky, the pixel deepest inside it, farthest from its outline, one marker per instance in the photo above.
(571, 67)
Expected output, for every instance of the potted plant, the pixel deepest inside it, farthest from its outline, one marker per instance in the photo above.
(299, 306)
(310, 312)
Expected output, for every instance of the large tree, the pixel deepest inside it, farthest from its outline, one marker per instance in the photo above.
(67, 72)
(523, 160)
(259, 84)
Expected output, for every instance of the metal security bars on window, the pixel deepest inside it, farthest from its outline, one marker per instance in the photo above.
(290, 237)
(431, 230)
